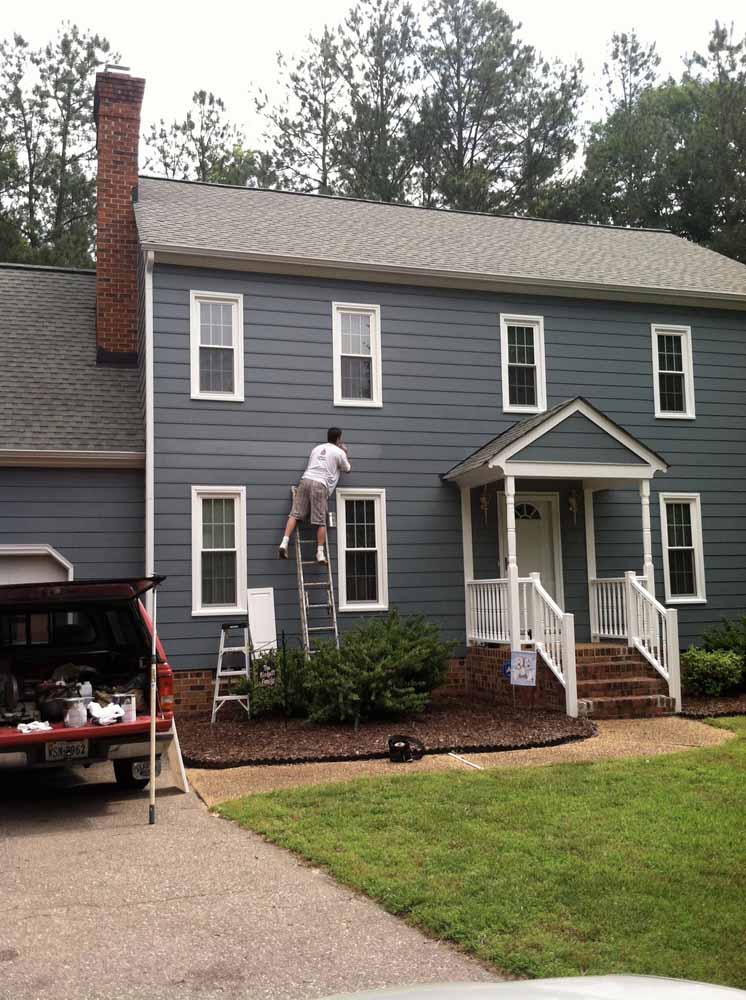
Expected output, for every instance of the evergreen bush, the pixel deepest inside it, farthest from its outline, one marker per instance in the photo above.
(710, 673)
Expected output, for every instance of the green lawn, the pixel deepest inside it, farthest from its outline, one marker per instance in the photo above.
(625, 866)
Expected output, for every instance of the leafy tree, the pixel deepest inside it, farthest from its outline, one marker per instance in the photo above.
(47, 155)
(501, 119)
(377, 60)
(305, 126)
(204, 146)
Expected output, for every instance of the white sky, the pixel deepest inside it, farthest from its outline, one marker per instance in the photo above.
(227, 46)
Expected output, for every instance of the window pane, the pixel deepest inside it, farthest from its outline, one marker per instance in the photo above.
(672, 393)
(362, 576)
(520, 345)
(357, 380)
(216, 324)
(218, 523)
(521, 385)
(215, 369)
(679, 519)
(681, 573)
(355, 329)
(669, 353)
(219, 578)
(360, 517)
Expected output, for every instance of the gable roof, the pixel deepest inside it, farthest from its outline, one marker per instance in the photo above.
(398, 242)
(512, 441)
(53, 395)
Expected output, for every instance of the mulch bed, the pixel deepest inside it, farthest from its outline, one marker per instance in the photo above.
(713, 708)
(443, 727)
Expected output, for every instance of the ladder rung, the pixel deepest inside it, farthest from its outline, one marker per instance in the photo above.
(232, 673)
(322, 628)
(316, 583)
(317, 606)
(314, 562)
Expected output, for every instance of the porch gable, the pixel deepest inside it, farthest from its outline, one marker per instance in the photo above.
(578, 439)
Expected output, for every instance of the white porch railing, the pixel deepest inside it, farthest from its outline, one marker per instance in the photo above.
(654, 631)
(608, 608)
(543, 624)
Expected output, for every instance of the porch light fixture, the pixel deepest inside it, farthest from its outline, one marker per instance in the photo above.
(484, 503)
(573, 503)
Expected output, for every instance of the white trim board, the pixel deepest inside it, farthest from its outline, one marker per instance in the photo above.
(363, 493)
(149, 430)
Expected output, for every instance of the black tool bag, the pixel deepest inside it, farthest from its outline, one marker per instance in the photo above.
(405, 749)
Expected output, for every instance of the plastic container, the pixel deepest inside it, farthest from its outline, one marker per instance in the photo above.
(127, 702)
(85, 690)
(75, 713)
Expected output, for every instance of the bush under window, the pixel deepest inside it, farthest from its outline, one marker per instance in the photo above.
(710, 673)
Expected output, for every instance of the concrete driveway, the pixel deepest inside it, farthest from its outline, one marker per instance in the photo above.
(96, 904)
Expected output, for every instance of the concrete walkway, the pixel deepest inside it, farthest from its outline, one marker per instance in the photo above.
(616, 738)
(97, 904)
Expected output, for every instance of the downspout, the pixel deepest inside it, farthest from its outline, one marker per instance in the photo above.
(149, 429)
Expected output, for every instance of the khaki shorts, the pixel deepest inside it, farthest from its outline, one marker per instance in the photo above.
(313, 496)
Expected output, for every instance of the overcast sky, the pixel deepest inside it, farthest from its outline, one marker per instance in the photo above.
(227, 47)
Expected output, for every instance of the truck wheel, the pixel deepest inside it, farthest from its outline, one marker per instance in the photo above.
(125, 778)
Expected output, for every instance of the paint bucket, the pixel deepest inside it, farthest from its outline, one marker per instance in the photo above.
(127, 702)
(75, 713)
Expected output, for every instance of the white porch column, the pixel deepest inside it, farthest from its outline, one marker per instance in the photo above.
(514, 607)
(468, 557)
(647, 538)
(590, 555)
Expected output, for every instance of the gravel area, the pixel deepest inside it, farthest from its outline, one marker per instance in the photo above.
(616, 738)
(711, 708)
(444, 726)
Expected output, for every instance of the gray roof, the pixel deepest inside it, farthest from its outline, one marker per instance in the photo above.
(53, 396)
(340, 232)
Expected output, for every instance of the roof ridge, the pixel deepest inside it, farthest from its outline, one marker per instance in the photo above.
(401, 204)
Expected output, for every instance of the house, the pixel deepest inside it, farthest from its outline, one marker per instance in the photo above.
(546, 422)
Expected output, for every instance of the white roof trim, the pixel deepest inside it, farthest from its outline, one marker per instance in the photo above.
(82, 459)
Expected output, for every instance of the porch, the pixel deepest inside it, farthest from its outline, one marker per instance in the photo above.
(529, 542)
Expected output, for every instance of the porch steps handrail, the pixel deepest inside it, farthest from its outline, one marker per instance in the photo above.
(554, 637)
(653, 631)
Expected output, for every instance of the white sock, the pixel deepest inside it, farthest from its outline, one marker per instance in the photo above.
(319, 551)
(285, 542)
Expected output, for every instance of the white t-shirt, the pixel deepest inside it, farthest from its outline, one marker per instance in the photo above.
(325, 463)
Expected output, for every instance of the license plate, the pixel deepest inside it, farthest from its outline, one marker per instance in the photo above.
(67, 750)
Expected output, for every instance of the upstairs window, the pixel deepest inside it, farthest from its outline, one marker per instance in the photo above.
(357, 355)
(218, 549)
(672, 372)
(217, 346)
(523, 369)
(683, 556)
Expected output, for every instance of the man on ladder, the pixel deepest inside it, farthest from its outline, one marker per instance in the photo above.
(319, 481)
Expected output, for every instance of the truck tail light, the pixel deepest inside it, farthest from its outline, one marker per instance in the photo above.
(166, 688)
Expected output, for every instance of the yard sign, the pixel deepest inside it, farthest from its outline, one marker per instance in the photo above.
(523, 668)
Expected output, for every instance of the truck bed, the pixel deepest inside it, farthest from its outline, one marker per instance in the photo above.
(11, 738)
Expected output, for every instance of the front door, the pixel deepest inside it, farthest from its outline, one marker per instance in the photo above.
(536, 541)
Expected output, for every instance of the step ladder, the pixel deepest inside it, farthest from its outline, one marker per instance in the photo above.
(226, 677)
(315, 594)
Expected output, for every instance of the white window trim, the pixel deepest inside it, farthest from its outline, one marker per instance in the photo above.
(685, 332)
(235, 300)
(237, 493)
(699, 560)
(514, 319)
(344, 495)
(375, 351)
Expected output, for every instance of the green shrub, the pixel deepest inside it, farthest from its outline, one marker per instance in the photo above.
(286, 694)
(710, 673)
(728, 635)
(384, 667)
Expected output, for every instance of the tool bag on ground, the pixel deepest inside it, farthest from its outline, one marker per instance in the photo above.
(405, 749)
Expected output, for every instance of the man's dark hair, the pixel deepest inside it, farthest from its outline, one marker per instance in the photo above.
(333, 435)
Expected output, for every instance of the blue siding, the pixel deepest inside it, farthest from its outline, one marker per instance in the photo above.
(95, 518)
(577, 439)
(441, 391)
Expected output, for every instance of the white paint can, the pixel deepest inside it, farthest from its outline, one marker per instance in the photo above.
(127, 702)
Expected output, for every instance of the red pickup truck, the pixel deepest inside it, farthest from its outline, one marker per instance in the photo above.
(97, 632)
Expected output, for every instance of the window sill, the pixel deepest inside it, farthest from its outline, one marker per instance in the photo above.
(363, 607)
(675, 416)
(218, 396)
(686, 600)
(214, 612)
(524, 409)
(368, 403)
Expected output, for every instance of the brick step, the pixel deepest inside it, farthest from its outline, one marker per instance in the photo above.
(611, 671)
(615, 687)
(628, 707)
(591, 652)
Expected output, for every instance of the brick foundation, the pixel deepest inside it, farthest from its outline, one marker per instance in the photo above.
(193, 693)
(478, 676)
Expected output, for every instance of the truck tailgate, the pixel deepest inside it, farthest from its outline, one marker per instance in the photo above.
(10, 738)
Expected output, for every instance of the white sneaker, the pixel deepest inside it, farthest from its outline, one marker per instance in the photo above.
(320, 557)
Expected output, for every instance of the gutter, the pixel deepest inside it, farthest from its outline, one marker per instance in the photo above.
(149, 429)
(70, 459)
(328, 267)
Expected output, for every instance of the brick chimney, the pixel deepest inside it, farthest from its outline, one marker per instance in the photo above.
(117, 103)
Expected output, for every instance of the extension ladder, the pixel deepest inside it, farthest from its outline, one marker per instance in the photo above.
(315, 595)
(227, 677)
